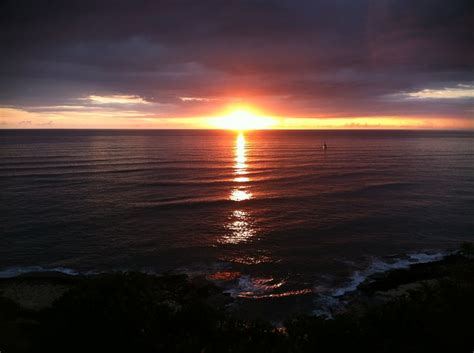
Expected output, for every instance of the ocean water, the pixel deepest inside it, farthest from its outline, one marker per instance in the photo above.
(269, 215)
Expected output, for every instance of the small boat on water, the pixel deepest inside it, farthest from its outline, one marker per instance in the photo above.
(325, 147)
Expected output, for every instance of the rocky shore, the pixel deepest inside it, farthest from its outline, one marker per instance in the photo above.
(425, 308)
(381, 288)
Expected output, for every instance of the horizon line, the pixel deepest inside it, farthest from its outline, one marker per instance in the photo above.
(248, 130)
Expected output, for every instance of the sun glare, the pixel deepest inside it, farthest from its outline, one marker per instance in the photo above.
(242, 119)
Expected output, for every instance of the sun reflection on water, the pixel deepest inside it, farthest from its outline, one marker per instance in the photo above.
(240, 195)
(240, 192)
(240, 223)
(239, 227)
(241, 180)
(240, 159)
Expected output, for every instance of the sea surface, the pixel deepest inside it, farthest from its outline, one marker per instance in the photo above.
(269, 215)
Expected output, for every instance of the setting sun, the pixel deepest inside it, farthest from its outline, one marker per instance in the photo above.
(242, 119)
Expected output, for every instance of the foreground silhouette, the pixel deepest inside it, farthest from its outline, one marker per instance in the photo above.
(134, 312)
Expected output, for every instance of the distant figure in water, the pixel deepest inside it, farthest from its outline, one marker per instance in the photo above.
(325, 147)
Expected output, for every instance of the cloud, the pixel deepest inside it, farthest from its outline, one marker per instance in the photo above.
(196, 99)
(179, 59)
(20, 118)
(458, 92)
(117, 99)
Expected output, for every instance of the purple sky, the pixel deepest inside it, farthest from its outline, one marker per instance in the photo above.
(164, 60)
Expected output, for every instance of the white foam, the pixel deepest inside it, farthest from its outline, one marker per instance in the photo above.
(17, 271)
(379, 266)
(330, 300)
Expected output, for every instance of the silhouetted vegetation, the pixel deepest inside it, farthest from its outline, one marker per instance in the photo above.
(134, 312)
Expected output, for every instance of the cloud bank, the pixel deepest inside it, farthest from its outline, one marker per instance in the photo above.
(168, 60)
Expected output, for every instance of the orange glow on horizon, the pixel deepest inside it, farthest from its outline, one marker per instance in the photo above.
(239, 118)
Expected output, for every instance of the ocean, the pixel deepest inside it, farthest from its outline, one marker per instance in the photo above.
(269, 215)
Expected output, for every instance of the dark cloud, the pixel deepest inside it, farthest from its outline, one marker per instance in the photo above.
(338, 57)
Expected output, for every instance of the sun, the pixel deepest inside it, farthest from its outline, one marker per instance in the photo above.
(241, 119)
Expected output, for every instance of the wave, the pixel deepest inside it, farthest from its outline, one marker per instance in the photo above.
(379, 266)
(11, 272)
(103, 163)
(329, 299)
(248, 287)
(240, 286)
(18, 271)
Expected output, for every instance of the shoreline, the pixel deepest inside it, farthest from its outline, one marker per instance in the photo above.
(325, 303)
(157, 309)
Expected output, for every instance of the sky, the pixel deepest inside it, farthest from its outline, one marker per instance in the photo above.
(182, 64)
